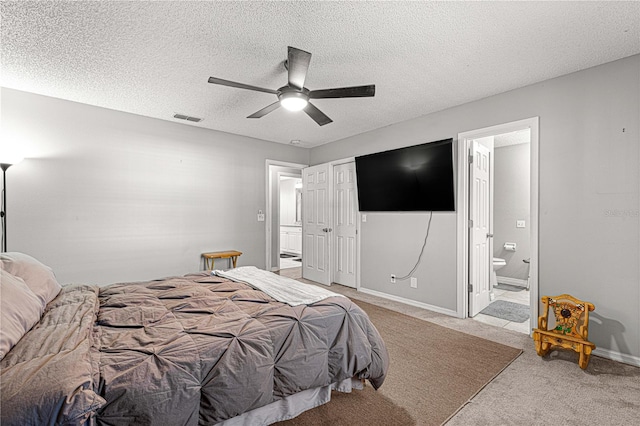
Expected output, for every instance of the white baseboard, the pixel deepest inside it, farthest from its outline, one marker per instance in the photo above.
(409, 302)
(604, 353)
(617, 356)
(511, 281)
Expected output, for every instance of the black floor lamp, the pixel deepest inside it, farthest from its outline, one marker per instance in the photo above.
(3, 212)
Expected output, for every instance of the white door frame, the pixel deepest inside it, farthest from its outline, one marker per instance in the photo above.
(464, 141)
(270, 208)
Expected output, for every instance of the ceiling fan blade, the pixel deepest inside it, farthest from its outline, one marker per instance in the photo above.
(297, 64)
(266, 110)
(317, 115)
(222, 82)
(344, 92)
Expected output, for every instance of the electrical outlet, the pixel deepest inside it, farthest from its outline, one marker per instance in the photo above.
(520, 223)
(414, 282)
(393, 279)
(260, 216)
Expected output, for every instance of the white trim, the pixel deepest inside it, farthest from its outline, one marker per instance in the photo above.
(534, 166)
(462, 207)
(409, 302)
(342, 161)
(617, 356)
(268, 231)
(358, 245)
(511, 281)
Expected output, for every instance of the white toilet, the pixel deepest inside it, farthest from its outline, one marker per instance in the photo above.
(497, 264)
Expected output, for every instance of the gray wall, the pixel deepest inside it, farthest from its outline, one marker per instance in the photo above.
(511, 188)
(589, 228)
(106, 196)
(391, 243)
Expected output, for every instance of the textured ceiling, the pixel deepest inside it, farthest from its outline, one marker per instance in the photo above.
(512, 138)
(154, 58)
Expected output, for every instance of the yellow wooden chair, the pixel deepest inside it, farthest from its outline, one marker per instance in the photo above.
(570, 329)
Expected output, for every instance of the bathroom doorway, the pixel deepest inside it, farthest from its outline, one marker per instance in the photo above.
(511, 218)
(278, 172)
(290, 212)
(498, 257)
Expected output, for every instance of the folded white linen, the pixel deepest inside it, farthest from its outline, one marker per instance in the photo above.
(282, 289)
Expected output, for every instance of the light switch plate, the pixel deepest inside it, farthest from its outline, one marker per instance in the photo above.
(364, 217)
(260, 217)
(520, 223)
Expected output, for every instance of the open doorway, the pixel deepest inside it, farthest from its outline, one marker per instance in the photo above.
(328, 255)
(498, 239)
(508, 304)
(282, 174)
(290, 211)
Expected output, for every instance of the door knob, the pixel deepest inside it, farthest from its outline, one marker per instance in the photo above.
(489, 235)
(325, 229)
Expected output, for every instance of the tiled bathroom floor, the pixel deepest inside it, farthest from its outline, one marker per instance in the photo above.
(289, 263)
(521, 297)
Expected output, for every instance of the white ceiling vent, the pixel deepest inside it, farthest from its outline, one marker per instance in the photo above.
(188, 118)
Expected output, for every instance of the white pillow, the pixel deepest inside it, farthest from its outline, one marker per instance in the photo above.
(20, 310)
(38, 277)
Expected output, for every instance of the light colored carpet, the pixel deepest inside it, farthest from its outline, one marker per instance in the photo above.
(433, 372)
(607, 393)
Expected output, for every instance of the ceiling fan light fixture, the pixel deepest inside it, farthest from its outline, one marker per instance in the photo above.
(293, 101)
(294, 96)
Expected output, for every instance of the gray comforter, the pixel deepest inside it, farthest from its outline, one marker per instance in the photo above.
(180, 351)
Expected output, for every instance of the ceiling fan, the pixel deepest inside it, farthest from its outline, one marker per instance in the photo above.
(294, 96)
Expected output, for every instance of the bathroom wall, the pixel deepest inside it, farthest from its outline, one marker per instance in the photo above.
(511, 203)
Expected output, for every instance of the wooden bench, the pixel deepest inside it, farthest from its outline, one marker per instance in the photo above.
(213, 255)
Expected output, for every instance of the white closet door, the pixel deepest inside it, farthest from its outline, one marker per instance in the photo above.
(316, 224)
(345, 213)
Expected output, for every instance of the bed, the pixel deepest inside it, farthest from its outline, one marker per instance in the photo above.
(195, 349)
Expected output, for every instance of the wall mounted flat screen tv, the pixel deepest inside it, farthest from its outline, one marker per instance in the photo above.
(414, 178)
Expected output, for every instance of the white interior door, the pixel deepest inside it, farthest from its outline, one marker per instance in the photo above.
(344, 220)
(316, 226)
(480, 256)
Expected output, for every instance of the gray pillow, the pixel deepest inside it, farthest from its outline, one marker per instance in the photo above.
(20, 310)
(38, 277)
